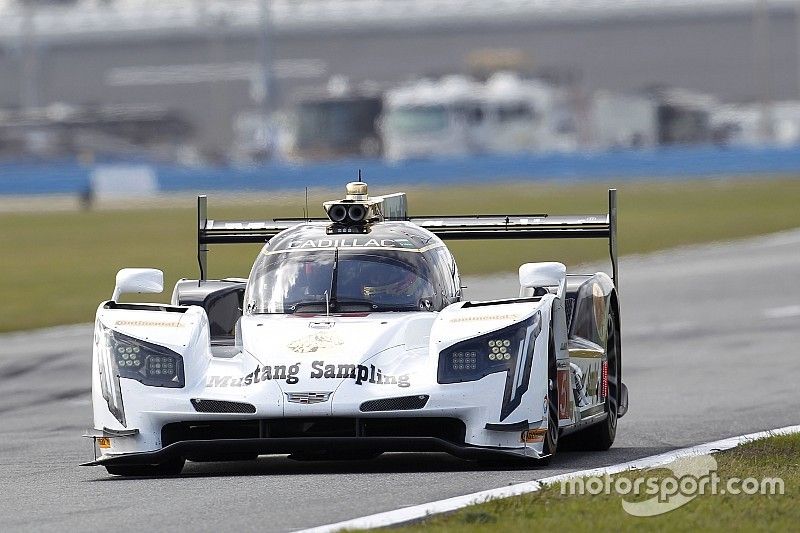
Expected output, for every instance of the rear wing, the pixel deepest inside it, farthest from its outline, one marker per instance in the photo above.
(541, 226)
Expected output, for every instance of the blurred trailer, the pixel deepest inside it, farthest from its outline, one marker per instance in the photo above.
(524, 115)
(329, 127)
(754, 124)
(684, 117)
(738, 125)
(623, 121)
(432, 118)
(61, 130)
(654, 117)
(458, 116)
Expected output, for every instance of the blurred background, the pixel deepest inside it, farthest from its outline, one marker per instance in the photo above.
(115, 114)
(123, 104)
(232, 83)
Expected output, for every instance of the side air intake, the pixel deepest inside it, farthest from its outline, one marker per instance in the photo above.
(403, 403)
(220, 406)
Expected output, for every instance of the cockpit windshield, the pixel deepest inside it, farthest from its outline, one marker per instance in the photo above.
(341, 280)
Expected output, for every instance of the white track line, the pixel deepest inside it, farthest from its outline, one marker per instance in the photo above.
(417, 512)
(789, 311)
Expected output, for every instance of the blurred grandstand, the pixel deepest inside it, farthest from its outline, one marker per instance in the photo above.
(244, 81)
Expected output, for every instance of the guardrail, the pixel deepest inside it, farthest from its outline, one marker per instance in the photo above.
(614, 166)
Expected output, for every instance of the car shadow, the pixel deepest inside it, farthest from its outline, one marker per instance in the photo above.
(398, 463)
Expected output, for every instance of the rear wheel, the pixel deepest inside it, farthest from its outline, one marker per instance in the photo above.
(600, 436)
(170, 468)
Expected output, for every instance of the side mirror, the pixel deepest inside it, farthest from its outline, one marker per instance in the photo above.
(138, 280)
(532, 275)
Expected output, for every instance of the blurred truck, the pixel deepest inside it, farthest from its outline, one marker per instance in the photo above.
(684, 117)
(458, 116)
(753, 124)
(655, 117)
(623, 121)
(63, 131)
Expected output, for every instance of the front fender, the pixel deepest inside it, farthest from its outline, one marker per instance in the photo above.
(519, 397)
(183, 330)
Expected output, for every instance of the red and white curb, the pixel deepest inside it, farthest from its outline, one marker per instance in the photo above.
(424, 510)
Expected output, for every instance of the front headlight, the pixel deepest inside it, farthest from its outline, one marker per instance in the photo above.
(498, 351)
(123, 356)
(147, 363)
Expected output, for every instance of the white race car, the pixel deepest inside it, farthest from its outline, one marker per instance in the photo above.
(350, 338)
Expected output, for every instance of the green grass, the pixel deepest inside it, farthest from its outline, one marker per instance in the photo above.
(57, 266)
(549, 510)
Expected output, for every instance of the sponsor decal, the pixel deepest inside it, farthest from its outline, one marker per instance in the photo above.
(581, 381)
(532, 436)
(480, 318)
(353, 243)
(592, 379)
(319, 370)
(349, 242)
(148, 323)
(604, 386)
(307, 398)
(599, 301)
(316, 342)
(563, 394)
(217, 224)
(585, 353)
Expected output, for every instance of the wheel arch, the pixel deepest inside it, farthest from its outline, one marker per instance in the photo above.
(614, 304)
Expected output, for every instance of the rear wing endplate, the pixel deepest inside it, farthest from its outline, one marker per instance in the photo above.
(540, 226)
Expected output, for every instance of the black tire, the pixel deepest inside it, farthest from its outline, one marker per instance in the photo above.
(551, 437)
(170, 468)
(600, 436)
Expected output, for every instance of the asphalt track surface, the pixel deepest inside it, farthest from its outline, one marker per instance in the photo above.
(710, 350)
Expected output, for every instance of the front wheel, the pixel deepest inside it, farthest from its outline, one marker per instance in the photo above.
(551, 437)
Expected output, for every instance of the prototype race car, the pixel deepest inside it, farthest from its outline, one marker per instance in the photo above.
(351, 338)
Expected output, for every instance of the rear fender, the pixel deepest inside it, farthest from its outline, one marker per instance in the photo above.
(590, 300)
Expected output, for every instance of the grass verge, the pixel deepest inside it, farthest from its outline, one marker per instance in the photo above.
(550, 510)
(57, 266)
